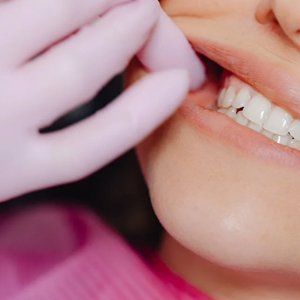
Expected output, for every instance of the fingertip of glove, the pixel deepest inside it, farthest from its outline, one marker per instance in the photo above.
(177, 78)
(169, 48)
(150, 8)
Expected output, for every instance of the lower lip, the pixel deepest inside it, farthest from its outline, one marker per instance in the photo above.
(228, 132)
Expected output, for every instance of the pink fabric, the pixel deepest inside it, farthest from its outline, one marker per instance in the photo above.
(63, 253)
(179, 287)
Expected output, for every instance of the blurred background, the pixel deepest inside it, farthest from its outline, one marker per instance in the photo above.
(117, 193)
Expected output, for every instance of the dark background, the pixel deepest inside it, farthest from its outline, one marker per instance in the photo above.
(116, 193)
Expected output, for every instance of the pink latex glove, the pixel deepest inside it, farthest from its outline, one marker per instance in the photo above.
(38, 86)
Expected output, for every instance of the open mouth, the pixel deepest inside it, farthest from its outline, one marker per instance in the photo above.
(247, 107)
(233, 109)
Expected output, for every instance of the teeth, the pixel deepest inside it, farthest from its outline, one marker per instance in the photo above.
(294, 144)
(242, 98)
(231, 112)
(241, 119)
(279, 121)
(221, 97)
(258, 109)
(267, 133)
(294, 130)
(222, 110)
(255, 126)
(260, 115)
(282, 139)
(228, 97)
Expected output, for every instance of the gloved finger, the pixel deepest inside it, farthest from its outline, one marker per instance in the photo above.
(75, 70)
(29, 26)
(87, 146)
(169, 48)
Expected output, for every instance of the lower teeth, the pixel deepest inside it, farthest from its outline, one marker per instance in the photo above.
(237, 115)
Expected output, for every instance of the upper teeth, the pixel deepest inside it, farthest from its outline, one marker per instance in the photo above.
(258, 113)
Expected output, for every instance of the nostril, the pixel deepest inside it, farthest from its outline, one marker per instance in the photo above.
(280, 16)
(266, 18)
(296, 37)
(264, 13)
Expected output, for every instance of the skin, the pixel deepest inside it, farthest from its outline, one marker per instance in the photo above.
(232, 219)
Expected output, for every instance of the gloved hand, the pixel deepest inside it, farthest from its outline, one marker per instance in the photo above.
(47, 68)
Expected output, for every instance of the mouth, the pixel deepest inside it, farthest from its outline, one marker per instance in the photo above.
(248, 104)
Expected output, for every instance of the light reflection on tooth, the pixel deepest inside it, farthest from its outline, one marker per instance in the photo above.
(242, 98)
(279, 121)
(294, 144)
(241, 119)
(231, 112)
(258, 109)
(255, 127)
(282, 139)
(221, 97)
(294, 129)
(267, 133)
(229, 97)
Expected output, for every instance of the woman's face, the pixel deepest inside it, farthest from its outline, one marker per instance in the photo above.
(229, 193)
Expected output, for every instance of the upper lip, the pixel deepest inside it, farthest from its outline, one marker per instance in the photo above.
(280, 86)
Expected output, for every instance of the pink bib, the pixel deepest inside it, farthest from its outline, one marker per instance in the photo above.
(64, 253)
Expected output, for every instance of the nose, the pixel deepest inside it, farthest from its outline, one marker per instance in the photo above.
(284, 12)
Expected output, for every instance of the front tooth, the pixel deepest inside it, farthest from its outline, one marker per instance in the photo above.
(294, 144)
(241, 119)
(242, 98)
(255, 126)
(231, 112)
(258, 109)
(294, 129)
(282, 139)
(279, 121)
(267, 133)
(221, 97)
(229, 97)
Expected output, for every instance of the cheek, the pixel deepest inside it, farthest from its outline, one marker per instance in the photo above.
(221, 204)
(207, 8)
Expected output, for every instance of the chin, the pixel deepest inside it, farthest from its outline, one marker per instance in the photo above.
(224, 171)
(221, 203)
